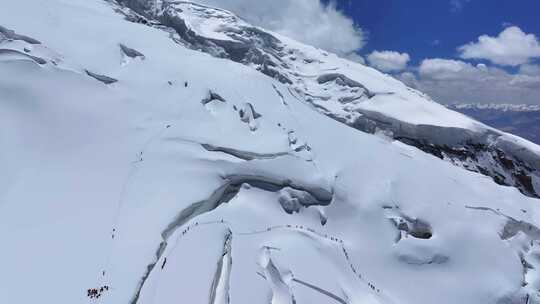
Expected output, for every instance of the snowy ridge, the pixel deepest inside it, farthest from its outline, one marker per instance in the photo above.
(196, 179)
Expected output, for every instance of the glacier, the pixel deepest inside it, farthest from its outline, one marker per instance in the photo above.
(360, 97)
(175, 170)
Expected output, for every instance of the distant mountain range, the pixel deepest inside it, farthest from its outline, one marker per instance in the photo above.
(522, 120)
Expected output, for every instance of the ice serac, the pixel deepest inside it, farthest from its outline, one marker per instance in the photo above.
(351, 93)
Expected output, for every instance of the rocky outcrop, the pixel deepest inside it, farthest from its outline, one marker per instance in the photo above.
(487, 152)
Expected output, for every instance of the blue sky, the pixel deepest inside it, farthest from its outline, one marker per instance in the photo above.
(427, 29)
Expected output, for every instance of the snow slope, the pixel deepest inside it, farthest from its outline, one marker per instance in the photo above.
(168, 175)
(351, 93)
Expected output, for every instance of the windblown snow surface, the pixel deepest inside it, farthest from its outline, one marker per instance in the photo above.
(171, 176)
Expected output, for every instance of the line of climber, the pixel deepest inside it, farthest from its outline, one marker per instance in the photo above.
(288, 226)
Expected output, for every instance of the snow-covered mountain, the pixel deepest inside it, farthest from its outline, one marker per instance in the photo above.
(148, 158)
(503, 107)
(356, 95)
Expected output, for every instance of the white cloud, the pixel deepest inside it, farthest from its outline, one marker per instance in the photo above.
(355, 57)
(388, 61)
(442, 69)
(451, 81)
(457, 5)
(308, 21)
(512, 47)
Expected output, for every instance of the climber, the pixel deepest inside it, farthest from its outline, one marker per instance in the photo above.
(164, 262)
(185, 84)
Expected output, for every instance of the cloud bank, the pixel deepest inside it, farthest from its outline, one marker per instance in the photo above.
(452, 81)
(308, 21)
(455, 81)
(446, 80)
(388, 61)
(512, 47)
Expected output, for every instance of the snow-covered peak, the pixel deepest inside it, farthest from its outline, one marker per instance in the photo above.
(497, 107)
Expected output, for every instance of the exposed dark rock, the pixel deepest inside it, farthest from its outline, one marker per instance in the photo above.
(102, 78)
(269, 71)
(506, 162)
(525, 181)
(131, 52)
